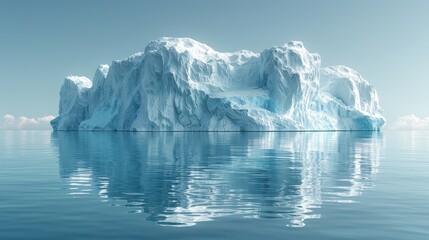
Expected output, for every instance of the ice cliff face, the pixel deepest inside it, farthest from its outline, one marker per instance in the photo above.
(179, 84)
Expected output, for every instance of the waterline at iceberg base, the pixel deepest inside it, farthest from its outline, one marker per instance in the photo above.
(179, 84)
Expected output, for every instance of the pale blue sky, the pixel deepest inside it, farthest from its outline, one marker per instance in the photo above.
(42, 42)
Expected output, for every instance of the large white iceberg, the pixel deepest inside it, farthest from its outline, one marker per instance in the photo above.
(179, 84)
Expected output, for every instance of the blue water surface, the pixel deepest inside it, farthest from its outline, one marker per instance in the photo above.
(164, 185)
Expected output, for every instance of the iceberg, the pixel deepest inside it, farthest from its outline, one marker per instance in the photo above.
(179, 84)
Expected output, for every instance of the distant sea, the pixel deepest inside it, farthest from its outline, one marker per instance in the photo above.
(256, 185)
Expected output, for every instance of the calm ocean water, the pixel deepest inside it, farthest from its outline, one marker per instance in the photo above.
(107, 185)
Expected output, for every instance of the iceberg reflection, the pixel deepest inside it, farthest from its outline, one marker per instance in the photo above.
(180, 179)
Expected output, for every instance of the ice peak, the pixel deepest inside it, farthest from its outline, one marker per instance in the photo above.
(297, 44)
(104, 69)
(179, 44)
(80, 82)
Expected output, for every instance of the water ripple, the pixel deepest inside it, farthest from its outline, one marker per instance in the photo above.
(180, 179)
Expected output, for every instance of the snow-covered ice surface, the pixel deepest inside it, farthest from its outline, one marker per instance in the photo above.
(179, 84)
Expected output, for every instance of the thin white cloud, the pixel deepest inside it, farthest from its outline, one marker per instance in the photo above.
(411, 122)
(26, 123)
